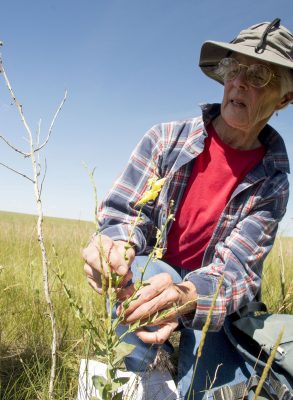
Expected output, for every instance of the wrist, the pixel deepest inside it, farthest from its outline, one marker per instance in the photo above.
(188, 298)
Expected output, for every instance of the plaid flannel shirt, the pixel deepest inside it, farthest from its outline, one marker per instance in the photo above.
(245, 232)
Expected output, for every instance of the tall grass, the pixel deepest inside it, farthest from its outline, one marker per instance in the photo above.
(277, 288)
(25, 335)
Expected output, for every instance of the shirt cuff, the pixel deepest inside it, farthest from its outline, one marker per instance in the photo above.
(121, 232)
(206, 287)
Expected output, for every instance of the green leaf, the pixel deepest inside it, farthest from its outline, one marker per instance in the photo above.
(121, 351)
(125, 348)
(110, 372)
(115, 386)
(135, 325)
(116, 279)
(117, 383)
(145, 284)
(99, 383)
(125, 304)
(106, 391)
(118, 396)
(99, 380)
(122, 380)
(135, 298)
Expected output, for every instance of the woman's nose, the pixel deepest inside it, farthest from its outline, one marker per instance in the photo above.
(241, 79)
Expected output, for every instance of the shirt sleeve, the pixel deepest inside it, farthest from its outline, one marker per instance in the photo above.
(239, 258)
(117, 216)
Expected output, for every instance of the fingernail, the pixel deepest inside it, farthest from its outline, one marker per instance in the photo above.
(122, 270)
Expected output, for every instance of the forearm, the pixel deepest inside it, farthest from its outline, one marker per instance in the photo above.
(239, 260)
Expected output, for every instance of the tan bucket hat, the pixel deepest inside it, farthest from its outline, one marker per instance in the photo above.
(265, 41)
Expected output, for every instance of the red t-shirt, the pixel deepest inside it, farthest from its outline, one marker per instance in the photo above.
(216, 173)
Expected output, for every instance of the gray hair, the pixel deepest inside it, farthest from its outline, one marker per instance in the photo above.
(286, 80)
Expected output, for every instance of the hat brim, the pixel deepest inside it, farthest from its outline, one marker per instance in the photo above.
(213, 52)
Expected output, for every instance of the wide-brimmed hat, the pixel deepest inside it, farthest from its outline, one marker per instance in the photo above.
(270, 42)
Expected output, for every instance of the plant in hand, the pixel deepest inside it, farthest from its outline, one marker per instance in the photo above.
(108, 347)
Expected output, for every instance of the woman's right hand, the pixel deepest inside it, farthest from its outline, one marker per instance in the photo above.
(103, 254)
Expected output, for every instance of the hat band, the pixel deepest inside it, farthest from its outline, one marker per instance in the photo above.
(262, 43)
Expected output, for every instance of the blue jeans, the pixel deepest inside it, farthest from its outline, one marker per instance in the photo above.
(219, 361)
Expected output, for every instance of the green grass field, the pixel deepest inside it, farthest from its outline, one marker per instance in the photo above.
(24, 324)
(25, 334)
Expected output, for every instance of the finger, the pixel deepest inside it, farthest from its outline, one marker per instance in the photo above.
(94, 285)
(124, 294)
(117, 262)
(163, 319)
(111, 256)
(164, 301)
(94, 253)
(159, 336)
(102, 255)
(156, 285)
(93, 274)
(126, 251)
(127, 278)
(91, 257)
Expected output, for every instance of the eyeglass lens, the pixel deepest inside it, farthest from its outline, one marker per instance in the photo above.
(257, 75)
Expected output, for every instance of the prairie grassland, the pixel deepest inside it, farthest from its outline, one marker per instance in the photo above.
(25, 332)
(277, 288)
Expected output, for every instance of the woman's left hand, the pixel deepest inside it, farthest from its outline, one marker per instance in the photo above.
(160, 294)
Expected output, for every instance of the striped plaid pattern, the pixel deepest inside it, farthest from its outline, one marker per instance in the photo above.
(245, 231)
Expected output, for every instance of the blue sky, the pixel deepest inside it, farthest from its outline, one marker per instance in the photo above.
(126, 65)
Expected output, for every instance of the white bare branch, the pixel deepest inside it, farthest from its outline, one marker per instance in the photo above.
(44, 176)
(14, 148)
(17, 172)
(52, 123)
(16, 102)
(36, 170)
(38, 134)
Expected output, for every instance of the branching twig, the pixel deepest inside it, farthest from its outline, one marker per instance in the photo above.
(44, 176)
(52, 123)
(17, 172)
(17, 103)
(38, 133)
(14, 148)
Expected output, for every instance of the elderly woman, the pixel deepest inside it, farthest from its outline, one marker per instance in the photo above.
(226, 173)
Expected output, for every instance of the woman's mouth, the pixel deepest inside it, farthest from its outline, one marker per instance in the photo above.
(237, 103)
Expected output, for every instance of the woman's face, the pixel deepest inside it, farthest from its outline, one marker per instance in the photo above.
(245, 107)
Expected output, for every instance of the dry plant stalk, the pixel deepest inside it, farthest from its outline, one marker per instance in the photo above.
(37, 181)
(204, 332)
(268, 364)
(282, 270)
(288, 300)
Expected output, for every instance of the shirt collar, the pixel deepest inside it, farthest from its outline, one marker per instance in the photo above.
(276, 157)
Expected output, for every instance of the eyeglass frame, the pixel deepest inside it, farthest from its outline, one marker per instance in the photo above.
(240, 66)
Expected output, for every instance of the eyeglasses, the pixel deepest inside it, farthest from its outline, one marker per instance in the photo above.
(257, 75)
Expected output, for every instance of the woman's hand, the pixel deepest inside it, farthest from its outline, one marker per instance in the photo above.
(103, 254)
(160, 294)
